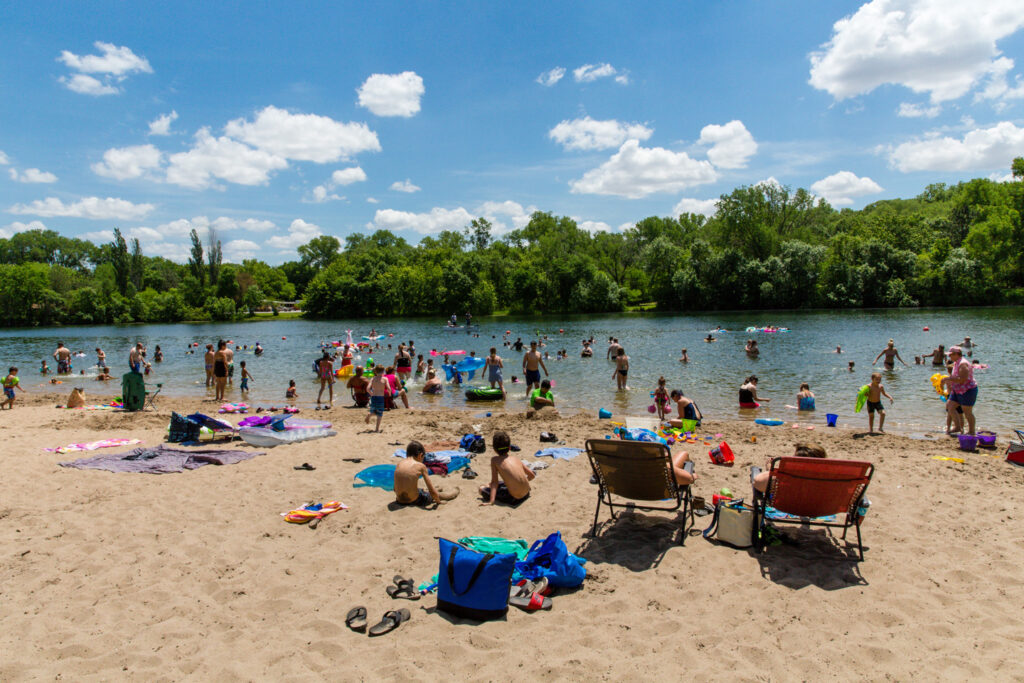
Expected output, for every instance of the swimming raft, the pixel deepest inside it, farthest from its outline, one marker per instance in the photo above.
(484, 394)
(296, 431)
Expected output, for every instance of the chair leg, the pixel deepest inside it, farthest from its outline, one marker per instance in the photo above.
(860, 546)
(593, 529)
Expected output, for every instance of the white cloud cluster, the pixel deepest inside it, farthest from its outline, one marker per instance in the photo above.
(731, 145)
(704, 207)
(221, 158)
(549, 78)
(840, 189)
(161, 125)
(593, 226)
(92, 208)
(202, 225)
(587, 133)
(113, 64)
(303, 137)
(8, 231)
(4, 161)
(404, 186)
(299, 232)
(237, 251)
(392, 94)
(982, 149)
(589, 73)
(32, 175)
(503, 216)
(997, 88)
(636, 172)
(939, 47)
(341, 177)
(910, 110)
(128, 162)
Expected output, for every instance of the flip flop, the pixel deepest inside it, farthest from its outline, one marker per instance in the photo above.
(305, 466)
(532, 603)
(352, 459)
(468, 474)
(389, 622)
(356, 619)
(405, 589)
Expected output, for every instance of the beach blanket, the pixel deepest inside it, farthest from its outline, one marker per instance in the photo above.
(160, 460)
(772, 513)
(113, 405)
(93, 445)
(255, 421)
(453, 460)
(558, 453)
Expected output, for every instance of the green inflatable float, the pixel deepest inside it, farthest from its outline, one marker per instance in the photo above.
(484, 395)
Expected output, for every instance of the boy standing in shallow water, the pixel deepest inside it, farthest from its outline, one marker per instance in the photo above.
(407, 476)
(875, 394)
(11, 382)
(510, 478)
(379, 390)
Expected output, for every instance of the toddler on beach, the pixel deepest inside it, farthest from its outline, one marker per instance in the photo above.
(874, 403)
(11, 382)
(407, 476)
(661, 398)
(246, 376)
(291, 391)
(510, 478)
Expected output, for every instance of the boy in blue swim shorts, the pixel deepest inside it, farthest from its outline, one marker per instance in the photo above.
(379, 391)
(11, 382)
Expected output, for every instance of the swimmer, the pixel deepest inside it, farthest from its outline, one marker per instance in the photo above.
(684, 358)
(709, 339)
(751, 349)
(621, 370)
(839, 349)
(891, 356)
(850, 367)
(43, 369)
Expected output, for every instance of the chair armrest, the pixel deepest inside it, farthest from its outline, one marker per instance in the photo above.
(688, 467)
(754, 471)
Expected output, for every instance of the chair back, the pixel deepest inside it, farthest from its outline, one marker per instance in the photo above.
(816, 487)
(633, 469)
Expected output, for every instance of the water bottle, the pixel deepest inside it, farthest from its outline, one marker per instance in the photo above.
(862, 509)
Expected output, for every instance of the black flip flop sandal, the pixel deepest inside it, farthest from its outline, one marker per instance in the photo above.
(356, 619)
(406, 590)
(305, 466)
(389, 622)
(468, 474)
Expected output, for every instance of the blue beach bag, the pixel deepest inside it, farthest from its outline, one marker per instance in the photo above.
(473, 585)
(551, 558)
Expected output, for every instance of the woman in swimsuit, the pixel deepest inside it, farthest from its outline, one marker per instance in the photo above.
(890, 353)
(220, 370)
(685, 408)
(748, 394)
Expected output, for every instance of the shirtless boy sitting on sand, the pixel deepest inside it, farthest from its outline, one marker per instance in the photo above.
(407, 476)
(510, 478)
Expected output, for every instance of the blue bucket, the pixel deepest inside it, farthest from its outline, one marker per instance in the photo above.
(830, 419)
(604, 414)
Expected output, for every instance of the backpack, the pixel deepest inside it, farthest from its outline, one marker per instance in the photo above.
(471, 584)
(182, 429)
(474, 443)
(551, 558)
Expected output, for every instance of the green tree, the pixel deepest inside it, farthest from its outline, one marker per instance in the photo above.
(319, 252)
(196, 263)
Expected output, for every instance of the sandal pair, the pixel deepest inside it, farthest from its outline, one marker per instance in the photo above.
(356, 620)
(530, 596)
(403, 588)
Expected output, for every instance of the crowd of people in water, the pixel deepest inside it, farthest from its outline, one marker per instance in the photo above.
(381, 386)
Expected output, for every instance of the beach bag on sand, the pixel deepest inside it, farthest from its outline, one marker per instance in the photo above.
(77, 398)
(550, 558)
(473, 585)
(474, 443)
(733, 524)
(182, 429)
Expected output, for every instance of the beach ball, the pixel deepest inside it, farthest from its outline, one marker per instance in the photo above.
(283, 338)
(925, 329)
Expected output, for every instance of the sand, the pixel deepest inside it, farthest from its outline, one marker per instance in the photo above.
(195, 576)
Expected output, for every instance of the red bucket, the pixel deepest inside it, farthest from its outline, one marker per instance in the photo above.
(722, 455)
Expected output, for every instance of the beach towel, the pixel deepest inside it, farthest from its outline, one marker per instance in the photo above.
(454, 460)
(255, 421)
(312, 511)
(558, 453)
(772, 513)
(211, 422)
(160, 460)
(93, 445)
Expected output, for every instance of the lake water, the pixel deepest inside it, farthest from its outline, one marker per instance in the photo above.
(653, 342)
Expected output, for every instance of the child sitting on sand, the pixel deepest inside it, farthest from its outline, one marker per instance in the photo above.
(11, 382)
(875, 394)
(291, 391)
(805, 398)
(510, 478)
(407, 476)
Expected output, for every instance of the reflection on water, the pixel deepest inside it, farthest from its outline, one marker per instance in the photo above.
(653, 342)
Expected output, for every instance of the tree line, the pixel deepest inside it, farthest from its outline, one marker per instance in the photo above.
(766, 247)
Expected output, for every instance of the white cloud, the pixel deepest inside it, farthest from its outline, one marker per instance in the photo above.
(299, 232)
(636, 172)
(303, 137)
(4, 161)
(344, 176)
(705, 207)
(997, 87)
(910, 110)
(237, 251)
(839, 189)
(594, 226)
(514, 212)
(982, 149)
(392, 94)
(549, 78)
(371, 200)
(321, 193)
(201, 224)
(87, 85)
(92, 208)
(32, 175)
(586, 133)
(940, 47)
(114, 64)
(591, 72)
(161, 125)
(99, 236)
(222, 158)
(9, 230)
(404, 186)
(732, 145)
(435, 221)
(122, 163)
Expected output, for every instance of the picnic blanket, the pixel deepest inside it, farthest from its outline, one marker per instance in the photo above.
(93, 445)
(558, 453)
(160, 460)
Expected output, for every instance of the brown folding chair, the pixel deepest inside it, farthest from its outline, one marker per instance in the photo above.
(808, 488)
(637, 470)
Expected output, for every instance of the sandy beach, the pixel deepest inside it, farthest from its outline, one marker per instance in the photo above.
(195, 576)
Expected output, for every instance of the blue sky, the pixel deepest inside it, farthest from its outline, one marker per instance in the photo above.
(276, 122)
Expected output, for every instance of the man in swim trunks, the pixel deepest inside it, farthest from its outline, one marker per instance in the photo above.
(433, 384)
(403, 363)
(890, 354)
(230, 355)
(407, 476)
(135, 359)
(63, 357)
(532, 362)
(518, 344)
(358, 384)
(101, 358)
(325, 371)
(220, 370)
(613, 349)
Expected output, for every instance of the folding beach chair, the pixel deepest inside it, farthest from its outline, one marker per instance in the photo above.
(637, 470)
(151, 396)
(808, 488)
